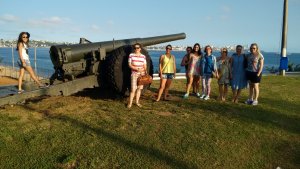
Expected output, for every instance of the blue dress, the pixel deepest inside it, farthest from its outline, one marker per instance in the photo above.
(239, 80)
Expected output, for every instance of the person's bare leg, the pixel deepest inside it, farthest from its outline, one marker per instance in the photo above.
(168, 84)
(239, 91)
(131, 96)
(251, 91)
(161, 89)
(138, 95)
(197, 84)
(32, 75)
(20, 80)
(234, 95)
(256, 91)
(225, 92)
(221, 92)
(191, 80)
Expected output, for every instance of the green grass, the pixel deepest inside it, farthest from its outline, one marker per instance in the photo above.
(91, 130)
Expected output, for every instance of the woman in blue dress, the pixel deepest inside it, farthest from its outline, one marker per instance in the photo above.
(238, 73)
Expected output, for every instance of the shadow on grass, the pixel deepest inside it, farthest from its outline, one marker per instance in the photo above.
(253, 114)
(98, 93)
(151, 152)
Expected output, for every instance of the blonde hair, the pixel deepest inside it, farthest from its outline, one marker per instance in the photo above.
(257, 48)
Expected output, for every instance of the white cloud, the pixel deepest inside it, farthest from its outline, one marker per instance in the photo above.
(110, 22)
(208, 18)
(45, 22)
(226, 9)
(95, 28)
(224, 17)
(8, 18)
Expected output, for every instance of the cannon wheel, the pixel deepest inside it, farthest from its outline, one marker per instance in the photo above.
(118, 71)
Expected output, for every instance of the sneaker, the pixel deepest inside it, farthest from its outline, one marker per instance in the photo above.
(198, 94)
(20, 91)
(206, 98)
(202, 96)
(248, 101)
(254, 103)
(185, 96)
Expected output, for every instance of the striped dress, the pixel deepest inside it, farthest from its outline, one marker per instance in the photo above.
(138, 61)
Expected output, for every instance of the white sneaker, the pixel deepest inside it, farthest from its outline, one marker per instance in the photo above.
(198, 94)
(206, 98)
(255, 102)
(185, 96)
(202, 96)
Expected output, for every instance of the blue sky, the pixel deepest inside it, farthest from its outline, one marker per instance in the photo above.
(215, 22)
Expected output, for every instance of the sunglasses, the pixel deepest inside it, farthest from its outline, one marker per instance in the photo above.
(252, 48)
(25, 37)
(137, 48)
(169, 48)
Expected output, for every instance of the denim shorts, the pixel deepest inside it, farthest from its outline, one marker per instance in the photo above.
(168, 75)
(27, 62)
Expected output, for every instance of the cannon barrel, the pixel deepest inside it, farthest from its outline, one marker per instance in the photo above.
(63, 54)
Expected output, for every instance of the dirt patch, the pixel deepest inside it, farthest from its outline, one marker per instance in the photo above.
(8, 81)
(164, 113)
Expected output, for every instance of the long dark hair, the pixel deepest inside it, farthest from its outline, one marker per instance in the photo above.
(20, 40)
(199, 51)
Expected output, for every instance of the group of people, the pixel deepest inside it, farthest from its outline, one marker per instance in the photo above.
(238, 71)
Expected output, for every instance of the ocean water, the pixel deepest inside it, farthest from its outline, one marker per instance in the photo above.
(45, 68)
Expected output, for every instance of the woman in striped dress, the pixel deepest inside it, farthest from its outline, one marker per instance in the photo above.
(138, 65)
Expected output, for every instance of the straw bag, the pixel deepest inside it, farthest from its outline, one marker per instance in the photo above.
(144, 80)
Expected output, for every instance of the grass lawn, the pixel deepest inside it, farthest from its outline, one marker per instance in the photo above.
(91, 130)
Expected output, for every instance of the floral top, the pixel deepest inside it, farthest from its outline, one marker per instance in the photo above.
(253, 62)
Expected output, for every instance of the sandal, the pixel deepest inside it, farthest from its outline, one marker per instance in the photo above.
(21, 91)
(139, 105)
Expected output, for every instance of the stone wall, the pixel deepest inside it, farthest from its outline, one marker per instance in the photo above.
(14, 73)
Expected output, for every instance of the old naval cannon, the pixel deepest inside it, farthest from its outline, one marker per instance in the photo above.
(107, 60)
(89, 65)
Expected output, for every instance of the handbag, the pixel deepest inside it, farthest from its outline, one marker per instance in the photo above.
(144, 80)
